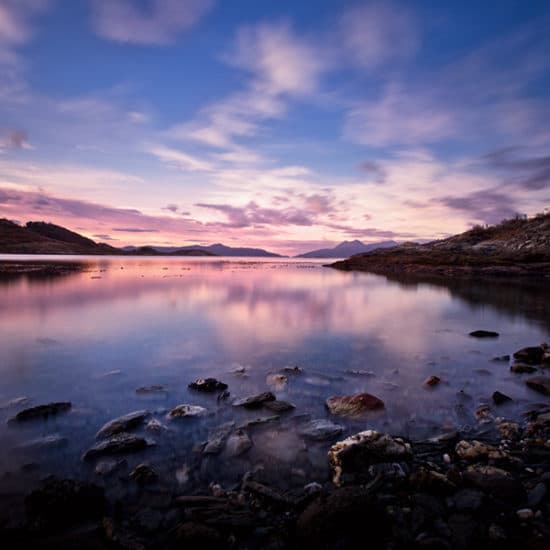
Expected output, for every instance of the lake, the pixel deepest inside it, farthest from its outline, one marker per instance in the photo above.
(93, 337)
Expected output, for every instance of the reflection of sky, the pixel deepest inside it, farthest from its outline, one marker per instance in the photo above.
(170, 320)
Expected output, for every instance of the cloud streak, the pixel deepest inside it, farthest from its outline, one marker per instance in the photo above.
(158, 22)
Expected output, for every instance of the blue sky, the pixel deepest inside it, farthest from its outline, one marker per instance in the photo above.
(287, 125)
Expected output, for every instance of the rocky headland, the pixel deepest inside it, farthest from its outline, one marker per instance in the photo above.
(519, 247)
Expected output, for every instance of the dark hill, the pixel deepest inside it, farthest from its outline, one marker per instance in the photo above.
(520, 246)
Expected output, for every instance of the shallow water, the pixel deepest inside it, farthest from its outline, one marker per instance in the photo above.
(93, 337)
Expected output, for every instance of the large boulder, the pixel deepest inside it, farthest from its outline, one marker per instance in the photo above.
(351, 458)
(208, 385)
(540, 384)
(122, 424)
(532, 355)
(116, 444)
(353, 405)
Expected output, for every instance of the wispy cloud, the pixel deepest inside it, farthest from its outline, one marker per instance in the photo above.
(379, 32)
(157, 22)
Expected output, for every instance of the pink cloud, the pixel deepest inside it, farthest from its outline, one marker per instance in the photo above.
(159, 22)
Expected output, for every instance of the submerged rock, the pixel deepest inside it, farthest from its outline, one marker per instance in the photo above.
(321, 430)
(217, 439)
(532, 355)
(484, 334)
(293, 370)
(432, 381)
(523, 369)
(186, 411)
(503, 358)
(279, 406)
(500, 398)
(122, 423)
(208, 385)
(116, 444)
(350, 459)
(143, 474)
(278, 381)
(254, 401)
(540, 384)
(355, 372)
(150, 389)
(51, 441)
(353, 405)
(260, 421)
(237, 443)
(41, 411)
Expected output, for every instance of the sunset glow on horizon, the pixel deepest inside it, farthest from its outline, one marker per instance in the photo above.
(288, 126)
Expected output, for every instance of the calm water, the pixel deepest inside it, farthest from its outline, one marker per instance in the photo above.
(93, 337)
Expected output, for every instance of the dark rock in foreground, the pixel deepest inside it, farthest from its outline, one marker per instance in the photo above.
(41, 411)
(143, 474)
(484, 334)
(122, 424)
(116, 444)
(62, 502)
(254, 401)
(208, 385)
(540, 384)
(531, 355)
(500, 398)
(351, 458)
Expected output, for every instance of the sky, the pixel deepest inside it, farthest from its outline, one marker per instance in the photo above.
(286, 125)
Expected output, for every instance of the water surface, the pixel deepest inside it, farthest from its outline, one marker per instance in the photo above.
(93, 337)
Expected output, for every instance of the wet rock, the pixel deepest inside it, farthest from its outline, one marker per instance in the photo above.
(41, 411)
(217, 438)
(531, 355)
(238, 443)
(353, 405)
(484, 334)
(254, 401)
(468, 500)
(476, 450)
(279, 406)
(497, 532)
(525, 514)
(150, 389)
(523, 369)
(143, 474)
(155, 425)
(51, 441)
(108, 466)
(540, 384)
(208, 385)
(122, 424)
(484, 414)
(500, 398)
(63, 502)
(186, 411)
(116, 444)
(293, 370)
(508, 430)
(349, 459)
(355, 372)
(432, 381)
(431, 481)
(501, 358)
(493, 480)
(320, 430)
(464, 530)
(260, 421)
(536, 495)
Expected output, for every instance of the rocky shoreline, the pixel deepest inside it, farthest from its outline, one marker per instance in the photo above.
(486, 485)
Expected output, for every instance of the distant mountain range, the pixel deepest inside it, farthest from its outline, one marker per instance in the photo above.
(211, 250)
(48, 238)
(347, 249)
